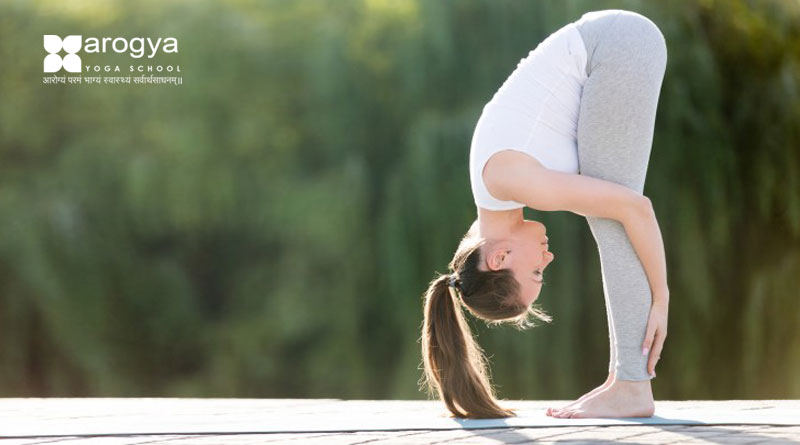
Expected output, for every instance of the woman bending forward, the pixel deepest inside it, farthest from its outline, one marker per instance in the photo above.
(569, 130)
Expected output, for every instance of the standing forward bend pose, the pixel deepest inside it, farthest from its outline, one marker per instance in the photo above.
(569, 130)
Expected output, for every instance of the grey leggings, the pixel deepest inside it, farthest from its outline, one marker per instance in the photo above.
(627, 57)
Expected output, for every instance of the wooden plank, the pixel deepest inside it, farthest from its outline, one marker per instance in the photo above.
(175, 420)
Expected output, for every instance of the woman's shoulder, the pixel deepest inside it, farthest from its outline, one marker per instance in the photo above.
(496, 169)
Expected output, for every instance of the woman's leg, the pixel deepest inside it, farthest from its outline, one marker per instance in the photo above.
(627, 57)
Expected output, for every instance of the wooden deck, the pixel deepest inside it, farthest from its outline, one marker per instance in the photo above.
(332, 421)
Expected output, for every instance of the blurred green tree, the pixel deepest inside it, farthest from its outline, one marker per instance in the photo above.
(267, 228)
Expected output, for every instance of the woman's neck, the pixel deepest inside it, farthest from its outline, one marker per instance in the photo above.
(498, 224)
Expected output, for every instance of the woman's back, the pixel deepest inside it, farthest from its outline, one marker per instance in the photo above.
(534, 111)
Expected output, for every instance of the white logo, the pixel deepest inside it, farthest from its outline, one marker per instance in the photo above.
(54, 62)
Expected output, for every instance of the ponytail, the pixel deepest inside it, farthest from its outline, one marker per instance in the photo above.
(455, 365)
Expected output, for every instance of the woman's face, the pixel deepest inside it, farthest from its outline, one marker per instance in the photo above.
(525, 253)
(529, 257)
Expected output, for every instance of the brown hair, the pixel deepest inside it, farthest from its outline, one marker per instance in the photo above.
(454, 364)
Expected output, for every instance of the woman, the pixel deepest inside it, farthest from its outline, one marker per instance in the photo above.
(570, 130)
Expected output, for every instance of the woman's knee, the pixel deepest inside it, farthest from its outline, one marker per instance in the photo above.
(624, 37)
(643, 35)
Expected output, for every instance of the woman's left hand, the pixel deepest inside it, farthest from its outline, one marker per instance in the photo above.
(656, 333)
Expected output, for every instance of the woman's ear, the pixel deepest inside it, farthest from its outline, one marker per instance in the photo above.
(499, 258)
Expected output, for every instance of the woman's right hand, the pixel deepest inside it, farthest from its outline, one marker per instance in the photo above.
(656, 333)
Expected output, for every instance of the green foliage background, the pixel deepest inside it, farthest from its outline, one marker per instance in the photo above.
(267, 228)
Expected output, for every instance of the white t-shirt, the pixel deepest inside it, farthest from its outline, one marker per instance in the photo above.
(535, 111)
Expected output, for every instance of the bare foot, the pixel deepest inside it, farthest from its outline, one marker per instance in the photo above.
(551, 411)
(624, 398)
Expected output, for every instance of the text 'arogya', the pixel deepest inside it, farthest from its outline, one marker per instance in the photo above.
(136, 45)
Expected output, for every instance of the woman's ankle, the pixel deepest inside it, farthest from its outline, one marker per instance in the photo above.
(632, 385)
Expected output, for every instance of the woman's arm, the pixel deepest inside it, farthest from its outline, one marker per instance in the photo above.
(513, 175)
(526, 181)
(645, 235)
